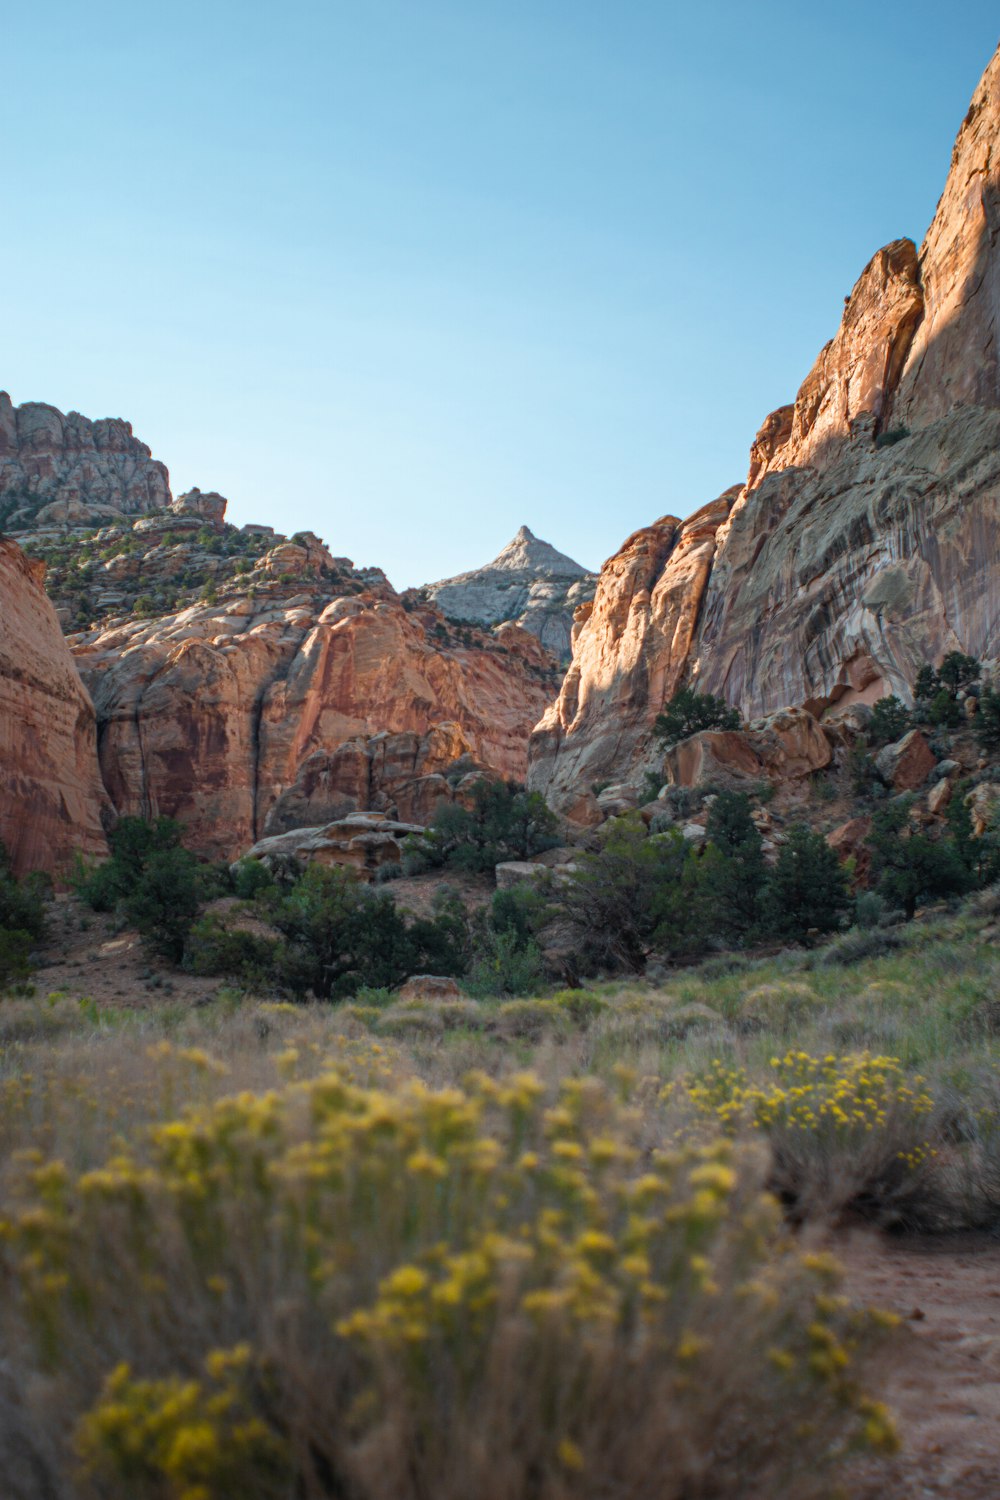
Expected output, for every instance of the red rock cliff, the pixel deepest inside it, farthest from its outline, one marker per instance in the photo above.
(867, 537)
(50, 789)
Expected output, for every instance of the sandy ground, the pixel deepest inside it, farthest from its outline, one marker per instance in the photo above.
(944, 1384)
(87, 955)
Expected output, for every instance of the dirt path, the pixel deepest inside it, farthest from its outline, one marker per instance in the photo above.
(944, 1385)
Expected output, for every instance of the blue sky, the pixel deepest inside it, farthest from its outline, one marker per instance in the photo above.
(411, 274)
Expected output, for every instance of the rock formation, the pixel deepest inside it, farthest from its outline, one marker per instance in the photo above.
(252, 714)
(866, 539)
(58, 470)
(50, 790)
(529, 583)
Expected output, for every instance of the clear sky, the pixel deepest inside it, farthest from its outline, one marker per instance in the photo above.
(409, 273)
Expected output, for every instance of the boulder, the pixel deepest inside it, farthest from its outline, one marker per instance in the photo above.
(939, 797)
(983, 803)
(519, 872)
(906, 764)
(430, 987)
(362, 842)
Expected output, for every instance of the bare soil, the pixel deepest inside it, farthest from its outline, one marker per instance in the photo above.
(89, 955)
(944, 1382)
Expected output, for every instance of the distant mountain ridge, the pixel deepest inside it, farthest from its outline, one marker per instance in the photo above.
(529, 582)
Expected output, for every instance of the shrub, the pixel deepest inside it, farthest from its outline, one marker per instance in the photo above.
(632, 895)
(166, 900)
(689, 711)
(342, 936)
(480, 1295)
(847, 1134)
(22, 921)
(133, 842)
(212, 948)
(505, 964)
(893, 435)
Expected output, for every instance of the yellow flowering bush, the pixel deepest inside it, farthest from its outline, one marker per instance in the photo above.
(331, 1287)
(846, 1131)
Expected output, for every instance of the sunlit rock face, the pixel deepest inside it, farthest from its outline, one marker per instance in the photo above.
(631, 647)
(529, 583)
(65, 470)
(240, 717)
(50, 790)
(867, 537)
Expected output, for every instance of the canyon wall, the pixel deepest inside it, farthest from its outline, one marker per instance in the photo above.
(50, 789)
(252, 715)
(866, 539)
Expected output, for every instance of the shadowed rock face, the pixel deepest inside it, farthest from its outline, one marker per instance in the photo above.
(50, 789)
(529, 583)
(867, 537)
(58, 470)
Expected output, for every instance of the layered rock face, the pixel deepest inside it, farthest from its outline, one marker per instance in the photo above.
(50, 789)
(528, 583)
(866, 540)
(65, 470)
(252, 715)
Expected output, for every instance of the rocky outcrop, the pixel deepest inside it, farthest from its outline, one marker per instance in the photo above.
(364, 842)
(58, 471)
(529, 583)
(866, 540)
(631, 648)
(50, 790)
(243, 716)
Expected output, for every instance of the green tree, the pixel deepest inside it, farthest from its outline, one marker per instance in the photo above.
(890, 720)
(635, 894)
(735, 881)
(958, 671)
(907, 866)
(689, 711)
(134, 842)
(342, 936)
(988, 719)
(165, 901)
(503, 822)
(22, 921)
(806, 890)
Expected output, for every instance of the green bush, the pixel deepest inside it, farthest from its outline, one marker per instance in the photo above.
(22, 921)
(212, 948)
(342, 936)
(690, 711)
(166, 900)
(504, 822)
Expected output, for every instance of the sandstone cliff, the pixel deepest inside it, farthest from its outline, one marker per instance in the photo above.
(866, 539)
(58, 470)
(50, 790)
(528, 583)
(251, 715)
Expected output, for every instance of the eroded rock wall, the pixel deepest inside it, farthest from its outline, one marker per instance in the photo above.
(50, 787)
(222, 715)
